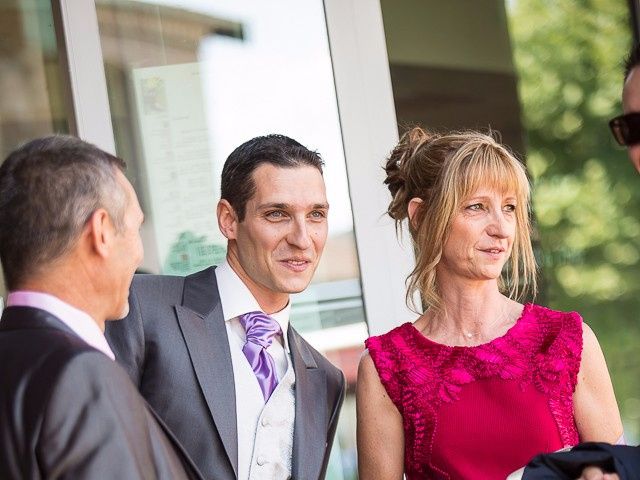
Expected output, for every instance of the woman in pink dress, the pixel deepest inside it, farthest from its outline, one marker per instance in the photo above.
(479, 383)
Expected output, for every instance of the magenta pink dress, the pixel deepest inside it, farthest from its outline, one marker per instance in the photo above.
(482, 412)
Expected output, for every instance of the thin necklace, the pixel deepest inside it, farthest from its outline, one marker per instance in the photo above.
(498, 319)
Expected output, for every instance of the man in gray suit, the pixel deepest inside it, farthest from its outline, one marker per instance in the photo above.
(214, 354)
(69, 245)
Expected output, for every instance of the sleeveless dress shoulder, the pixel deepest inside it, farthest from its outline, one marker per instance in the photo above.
(482, 412)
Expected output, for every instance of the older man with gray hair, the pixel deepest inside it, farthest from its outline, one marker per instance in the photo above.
(69, 245)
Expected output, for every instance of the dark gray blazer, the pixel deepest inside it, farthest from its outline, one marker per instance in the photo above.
(69, 412)
(174, 346)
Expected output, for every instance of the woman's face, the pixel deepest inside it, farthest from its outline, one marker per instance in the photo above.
(481, 237)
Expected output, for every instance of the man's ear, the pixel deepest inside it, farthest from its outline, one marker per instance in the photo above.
(227, 219)
(412, 208)
(100, 232)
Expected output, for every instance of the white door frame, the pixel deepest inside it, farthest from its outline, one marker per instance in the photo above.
(369, 132)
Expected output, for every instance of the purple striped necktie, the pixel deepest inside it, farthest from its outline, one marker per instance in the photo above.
(261, 329)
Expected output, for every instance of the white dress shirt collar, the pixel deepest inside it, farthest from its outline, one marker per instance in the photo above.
(236, 299)
(78, 321)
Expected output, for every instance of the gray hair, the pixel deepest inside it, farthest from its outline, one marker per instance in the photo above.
(49, 188)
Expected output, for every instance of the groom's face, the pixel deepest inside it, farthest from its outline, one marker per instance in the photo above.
(278, 244)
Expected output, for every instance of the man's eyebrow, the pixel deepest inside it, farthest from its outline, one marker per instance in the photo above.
(279, 206)
(286, 206)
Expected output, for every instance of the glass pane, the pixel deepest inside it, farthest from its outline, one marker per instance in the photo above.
(32, 102)
(188, 82)
(546, 75)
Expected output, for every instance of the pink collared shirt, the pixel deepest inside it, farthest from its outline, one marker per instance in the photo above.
(78, 321)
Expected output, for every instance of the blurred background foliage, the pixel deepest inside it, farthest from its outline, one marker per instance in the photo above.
(586, 197)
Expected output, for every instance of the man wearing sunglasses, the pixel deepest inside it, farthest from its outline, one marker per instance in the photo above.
(626, 128)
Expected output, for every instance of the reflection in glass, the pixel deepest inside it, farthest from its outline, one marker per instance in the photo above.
(189, 81)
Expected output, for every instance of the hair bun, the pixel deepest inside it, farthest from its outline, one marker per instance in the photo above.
(397, 167)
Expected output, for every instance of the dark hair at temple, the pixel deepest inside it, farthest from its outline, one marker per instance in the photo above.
(632, 60)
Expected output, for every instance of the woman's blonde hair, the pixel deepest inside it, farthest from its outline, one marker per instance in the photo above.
(443, 170)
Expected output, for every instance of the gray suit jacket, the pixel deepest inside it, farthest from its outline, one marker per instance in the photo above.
(69, 412)
(174, 346)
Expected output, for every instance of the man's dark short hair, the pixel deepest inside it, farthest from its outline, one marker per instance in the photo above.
(238, 186)
(49, 188)
(632, 60)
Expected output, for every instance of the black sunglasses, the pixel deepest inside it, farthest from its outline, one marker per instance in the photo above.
(626, 129)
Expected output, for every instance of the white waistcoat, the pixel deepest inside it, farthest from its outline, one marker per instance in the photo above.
(273, 443)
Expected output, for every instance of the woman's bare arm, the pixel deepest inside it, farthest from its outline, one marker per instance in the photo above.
(594, 403)
(380, 433)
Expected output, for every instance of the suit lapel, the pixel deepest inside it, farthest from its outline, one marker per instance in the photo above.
(310, 429)
(202, 324)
